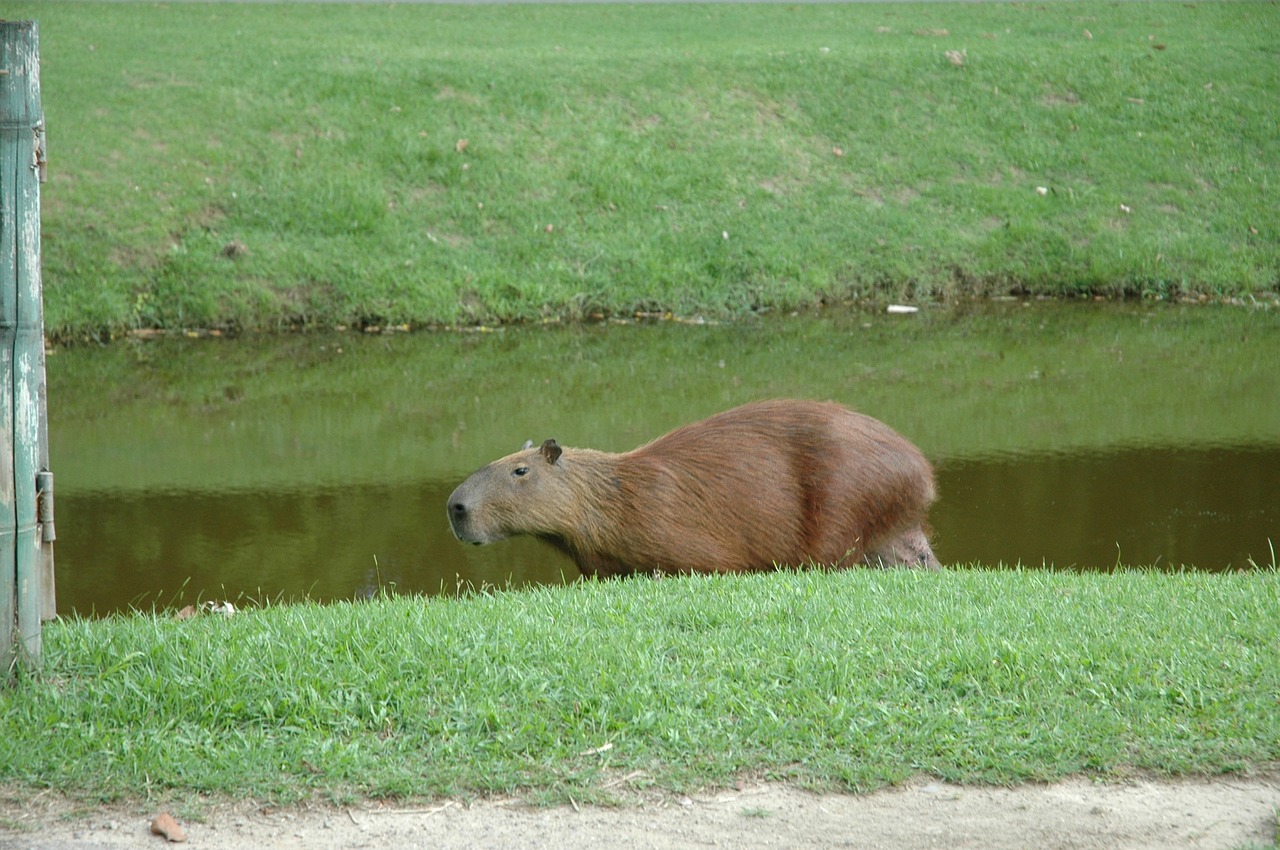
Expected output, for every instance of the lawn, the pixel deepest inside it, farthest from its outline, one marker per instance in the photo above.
(255, 167)
(848, 680)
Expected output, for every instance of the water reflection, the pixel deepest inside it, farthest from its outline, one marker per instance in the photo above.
(318, 466)
(1209, 507)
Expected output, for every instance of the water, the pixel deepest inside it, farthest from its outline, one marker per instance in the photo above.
(1213, 507)
(1073, 436)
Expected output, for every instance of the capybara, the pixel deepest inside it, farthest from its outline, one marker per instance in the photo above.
(794, 483)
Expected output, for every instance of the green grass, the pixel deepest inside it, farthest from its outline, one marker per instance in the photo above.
(718, 159)
(845, 680)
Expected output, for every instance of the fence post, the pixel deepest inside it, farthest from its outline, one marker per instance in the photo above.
(26, 550)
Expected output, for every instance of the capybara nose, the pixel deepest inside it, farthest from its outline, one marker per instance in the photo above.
(457, 509)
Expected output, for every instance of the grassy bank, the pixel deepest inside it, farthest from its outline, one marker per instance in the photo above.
(256, 166)
(854, 679)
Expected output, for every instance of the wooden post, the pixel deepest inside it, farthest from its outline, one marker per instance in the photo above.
(26, 557)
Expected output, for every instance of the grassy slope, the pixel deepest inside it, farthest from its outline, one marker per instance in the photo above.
(441, 164)
(852, 679)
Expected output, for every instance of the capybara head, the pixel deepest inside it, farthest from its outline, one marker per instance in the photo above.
(521, 493)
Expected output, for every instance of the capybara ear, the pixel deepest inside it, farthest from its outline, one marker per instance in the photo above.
(551, 451)
(528, 444)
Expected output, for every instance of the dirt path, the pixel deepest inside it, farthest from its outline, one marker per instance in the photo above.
(1228, 814)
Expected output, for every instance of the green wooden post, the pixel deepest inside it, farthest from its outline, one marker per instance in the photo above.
(26, 559)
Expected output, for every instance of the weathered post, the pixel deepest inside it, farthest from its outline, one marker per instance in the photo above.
(26, 549)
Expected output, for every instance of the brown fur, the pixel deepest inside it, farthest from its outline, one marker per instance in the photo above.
(771, 483)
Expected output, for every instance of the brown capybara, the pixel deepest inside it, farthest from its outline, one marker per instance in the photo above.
(771, 483)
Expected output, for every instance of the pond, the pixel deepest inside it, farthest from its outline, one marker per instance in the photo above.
(1077, 436)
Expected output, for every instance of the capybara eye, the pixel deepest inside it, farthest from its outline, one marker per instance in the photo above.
(519, 471)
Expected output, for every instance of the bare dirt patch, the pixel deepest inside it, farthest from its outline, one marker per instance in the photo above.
(1229, 814)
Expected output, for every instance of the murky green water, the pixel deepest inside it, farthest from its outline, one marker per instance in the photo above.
(1073, 435)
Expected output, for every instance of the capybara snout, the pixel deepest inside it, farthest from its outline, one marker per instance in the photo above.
(459, 521)
(795, 483)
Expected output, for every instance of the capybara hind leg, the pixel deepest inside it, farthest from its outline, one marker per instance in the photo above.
(909, 549)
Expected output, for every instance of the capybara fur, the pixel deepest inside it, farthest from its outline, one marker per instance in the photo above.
(773, 483)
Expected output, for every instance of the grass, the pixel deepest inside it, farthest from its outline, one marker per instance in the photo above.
(260, 166)
(845, 680)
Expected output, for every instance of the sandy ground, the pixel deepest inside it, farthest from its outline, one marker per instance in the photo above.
(1228, 814)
